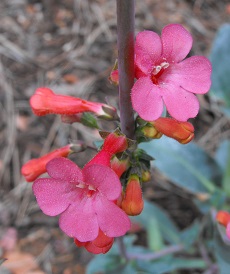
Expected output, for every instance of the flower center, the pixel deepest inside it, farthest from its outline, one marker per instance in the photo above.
(90, 190)
(158, 71)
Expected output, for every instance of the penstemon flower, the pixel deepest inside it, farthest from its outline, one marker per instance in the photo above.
(163, 76)
(92, 202)
(84, 199)
(45, 101)
(35, 167)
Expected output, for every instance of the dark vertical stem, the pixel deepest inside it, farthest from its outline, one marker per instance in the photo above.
(125, 32)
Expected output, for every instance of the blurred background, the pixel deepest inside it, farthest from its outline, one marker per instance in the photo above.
(70, 46)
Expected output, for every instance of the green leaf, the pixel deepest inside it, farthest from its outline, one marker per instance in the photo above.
(187, 166)
(216, 200)
(167, 227)
(190, 234)
(126, 269)
(103, 264)
(154, 235)
(222, 154)
(113, 263)
(222, 250)
(223, 158)
(169, 264)
(220, 58)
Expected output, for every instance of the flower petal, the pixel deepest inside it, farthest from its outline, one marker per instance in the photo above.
(104, 179)
(148, 50)
(192, 74)
(176, 41)
(64, 169)
(91, 247)
(228, 230)
(80, 221)
(111, 219)
(180, 103)
(53, 196)
(146, 99)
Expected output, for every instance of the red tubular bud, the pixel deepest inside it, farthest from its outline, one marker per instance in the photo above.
(101, 244)
(183, 132)
(35, 167)
(120, 166)
(115, 142)
(101, 158)
(45, 101)
(132, 202)
(114, 77)
(223, 218)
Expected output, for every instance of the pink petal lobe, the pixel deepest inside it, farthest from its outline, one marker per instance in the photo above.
(64, 169)
(177, 42)
(193, 74)
(146, 99)
(111, 219)
(80, 221)
(180, 103)
(228, 230)
(104, 179)
(53, 196)
(148, 50)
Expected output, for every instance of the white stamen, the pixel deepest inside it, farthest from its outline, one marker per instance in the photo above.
(90, 187)
(157, 69)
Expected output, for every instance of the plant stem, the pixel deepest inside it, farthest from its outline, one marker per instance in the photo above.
(125, 33)
(122, 248)
(154, 256)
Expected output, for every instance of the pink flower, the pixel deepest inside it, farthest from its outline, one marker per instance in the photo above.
(164, 77)
(84, 198)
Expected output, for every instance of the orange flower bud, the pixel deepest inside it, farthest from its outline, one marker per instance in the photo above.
(45, 101)
(223, 218)
(145, 176)
(35, 167)
(149, 131)
(132, 202)
(183, 132)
